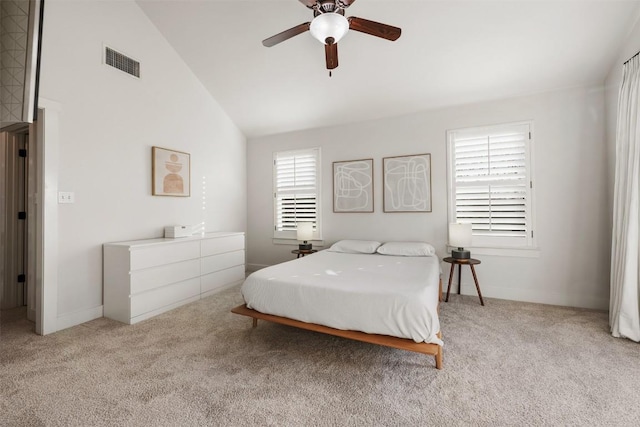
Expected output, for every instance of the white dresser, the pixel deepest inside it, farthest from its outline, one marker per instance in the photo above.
(144, 278)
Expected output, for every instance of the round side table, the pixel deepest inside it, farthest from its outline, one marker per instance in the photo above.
(460, 262)
(303, 252)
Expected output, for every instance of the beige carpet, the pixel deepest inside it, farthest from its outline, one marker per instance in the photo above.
(504, 364)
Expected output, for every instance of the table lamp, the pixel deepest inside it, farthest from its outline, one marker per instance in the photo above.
(305, 233)
(459, 237)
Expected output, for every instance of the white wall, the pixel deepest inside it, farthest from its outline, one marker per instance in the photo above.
(571, 265)
(108, 122)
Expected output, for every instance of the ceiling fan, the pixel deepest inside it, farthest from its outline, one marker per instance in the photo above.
(329, 25)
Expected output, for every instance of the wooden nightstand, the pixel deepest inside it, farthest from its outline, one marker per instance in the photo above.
(303, 252)
(460, 262)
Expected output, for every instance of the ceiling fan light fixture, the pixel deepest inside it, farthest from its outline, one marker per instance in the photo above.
(329, 25)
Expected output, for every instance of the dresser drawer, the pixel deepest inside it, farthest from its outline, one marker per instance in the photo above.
(214, 263)
(156, 277)
(219, 279)
(145, 257)
(160, 297)
(222, 244)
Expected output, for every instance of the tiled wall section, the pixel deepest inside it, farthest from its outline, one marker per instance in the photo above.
(14, 26)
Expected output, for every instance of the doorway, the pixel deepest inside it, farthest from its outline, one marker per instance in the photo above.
(17, 227)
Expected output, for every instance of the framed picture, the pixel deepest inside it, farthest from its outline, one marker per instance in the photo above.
(170, 172)
(407, 183)
(353, 186)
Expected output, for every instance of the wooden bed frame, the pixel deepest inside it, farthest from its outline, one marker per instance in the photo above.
(385, 340)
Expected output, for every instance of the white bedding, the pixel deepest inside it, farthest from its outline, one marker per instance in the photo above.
(377, 294)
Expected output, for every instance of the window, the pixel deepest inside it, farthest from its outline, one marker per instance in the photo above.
(490, 183)
(296, 184)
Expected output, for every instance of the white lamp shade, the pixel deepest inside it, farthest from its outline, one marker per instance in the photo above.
(460, 235)
(305, 231)
(329, 25)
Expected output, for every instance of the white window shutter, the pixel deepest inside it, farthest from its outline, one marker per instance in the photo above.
(296, 189)
(490, 183)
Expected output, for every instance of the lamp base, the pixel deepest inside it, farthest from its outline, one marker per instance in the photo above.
(304, 246)
(460, 253)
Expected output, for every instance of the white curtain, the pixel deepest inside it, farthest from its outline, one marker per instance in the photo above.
(624, 309)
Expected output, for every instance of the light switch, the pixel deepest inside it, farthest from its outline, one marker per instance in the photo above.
(66, 197)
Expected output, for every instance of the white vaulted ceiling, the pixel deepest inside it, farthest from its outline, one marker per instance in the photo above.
(450, 53)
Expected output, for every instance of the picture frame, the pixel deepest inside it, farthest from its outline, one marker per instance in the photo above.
(407, 183)
(170, 172)
(353, 186)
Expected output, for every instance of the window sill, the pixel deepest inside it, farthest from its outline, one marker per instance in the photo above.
(295, 242)
(510, 252)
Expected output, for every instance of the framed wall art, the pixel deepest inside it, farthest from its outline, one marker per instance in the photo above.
(407, 183)
(171, 172)
(353, 186)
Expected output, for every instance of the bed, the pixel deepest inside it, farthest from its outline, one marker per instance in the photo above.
(356, 290)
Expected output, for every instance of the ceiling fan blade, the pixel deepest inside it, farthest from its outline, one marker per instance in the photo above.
(308, 3)
(331, 54)
(374, 28)
(286, 34)
(347, 3)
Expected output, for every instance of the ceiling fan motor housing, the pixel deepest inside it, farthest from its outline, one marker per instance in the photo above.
(328, 6)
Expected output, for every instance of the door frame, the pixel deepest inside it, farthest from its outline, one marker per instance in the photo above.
(44, 143)
(47, 149)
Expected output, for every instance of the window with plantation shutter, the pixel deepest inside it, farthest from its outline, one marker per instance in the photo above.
(296, 183)
(490, 184)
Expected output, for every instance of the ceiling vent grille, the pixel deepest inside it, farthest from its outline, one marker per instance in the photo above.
(121, 62)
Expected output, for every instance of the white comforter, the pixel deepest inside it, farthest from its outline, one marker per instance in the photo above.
(376, 294)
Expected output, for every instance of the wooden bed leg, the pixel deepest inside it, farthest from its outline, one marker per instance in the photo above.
(438, 355)
(439, 359)
(255, 322)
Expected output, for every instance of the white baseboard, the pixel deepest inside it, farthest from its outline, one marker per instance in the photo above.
(580, 300)
(72, 319)
(255, 267)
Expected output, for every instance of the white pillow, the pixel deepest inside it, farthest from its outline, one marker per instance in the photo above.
(407, 249)
(355, 246)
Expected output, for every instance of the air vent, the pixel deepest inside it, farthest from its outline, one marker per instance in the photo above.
(121, 62)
